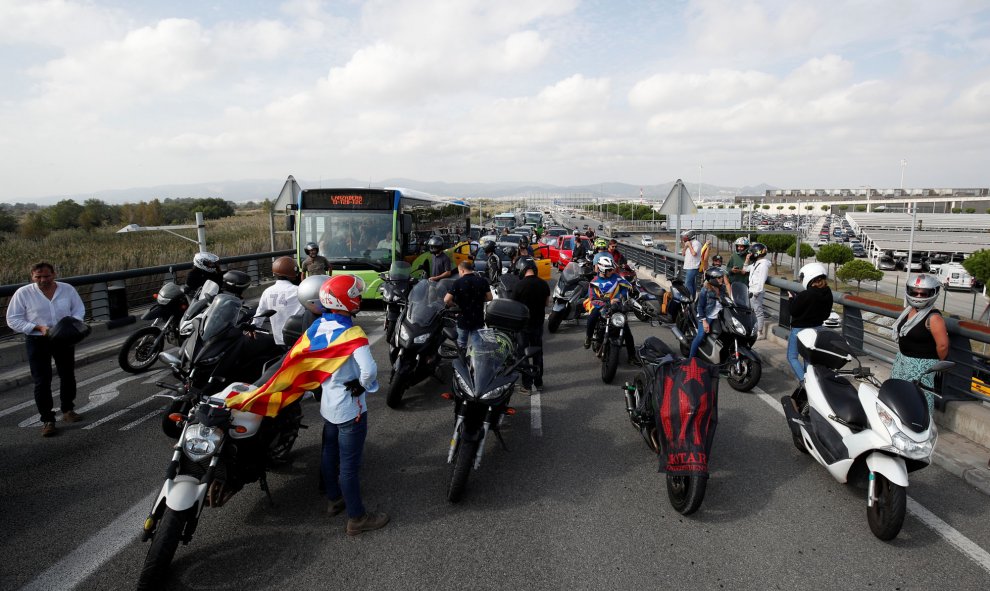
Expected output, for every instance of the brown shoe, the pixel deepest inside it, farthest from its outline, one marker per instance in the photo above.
(48, 429)
(71, 416)
(335, 507)
(367, 522)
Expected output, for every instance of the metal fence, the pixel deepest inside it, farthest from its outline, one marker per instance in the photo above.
(865, 325)
(110, 297)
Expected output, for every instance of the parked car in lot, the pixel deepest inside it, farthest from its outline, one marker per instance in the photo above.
(858, 250)
(886, 263)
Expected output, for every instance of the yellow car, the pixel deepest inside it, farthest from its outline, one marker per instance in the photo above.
(541, 253)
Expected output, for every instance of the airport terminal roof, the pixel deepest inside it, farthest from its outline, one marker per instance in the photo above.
(948, 222)
(948, 233)
(925, 241)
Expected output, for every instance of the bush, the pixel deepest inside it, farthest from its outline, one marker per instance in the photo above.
(858, 270)
(834, 254)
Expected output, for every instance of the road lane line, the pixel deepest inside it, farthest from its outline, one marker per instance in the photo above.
(55, 394)
(150, 415)
(97, 398)
(535, 420)
(89, 556)
(950, 534)
(123, 410)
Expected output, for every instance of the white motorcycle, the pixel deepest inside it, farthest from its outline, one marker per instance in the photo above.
(869, 434)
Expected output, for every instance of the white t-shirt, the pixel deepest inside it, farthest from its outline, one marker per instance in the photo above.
(282, 298)
(693, 261)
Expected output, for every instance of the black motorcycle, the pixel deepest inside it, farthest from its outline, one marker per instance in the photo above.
(674, 304)
(394, 289)
(645, 299)
(223, 347)
(608, 337)
(140, 351)
(423, 327)
(220, 450)
(676, 416)
(568, 295)
(730, 341)
(483, 383)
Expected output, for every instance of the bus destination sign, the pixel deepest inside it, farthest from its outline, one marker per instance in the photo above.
(347, 199)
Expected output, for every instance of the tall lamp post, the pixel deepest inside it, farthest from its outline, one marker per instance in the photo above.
(199, 226)
(914, 223)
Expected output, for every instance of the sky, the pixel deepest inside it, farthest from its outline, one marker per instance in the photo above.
(109, 94)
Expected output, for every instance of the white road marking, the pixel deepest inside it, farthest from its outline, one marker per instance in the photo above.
(89, 556)
(55, 394)
(150, 415)
(950, 534)
(97, 398)
(535, 416)
(124, 410)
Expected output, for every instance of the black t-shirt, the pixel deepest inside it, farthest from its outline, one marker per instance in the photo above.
(469, 295)
(441, 264)
(811, 307)
(533, 292)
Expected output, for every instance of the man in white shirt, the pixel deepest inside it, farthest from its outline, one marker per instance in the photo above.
(281, 297)
(692, 260)
(32, 311)
(758, 271)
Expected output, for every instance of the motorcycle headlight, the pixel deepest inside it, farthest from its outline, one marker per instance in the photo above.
(901, 443)
(738, 326)
(497, 392)
(618, 320)
(201, 442)
(557, 292)
(403, 332)
(463, 384)
(421, 338)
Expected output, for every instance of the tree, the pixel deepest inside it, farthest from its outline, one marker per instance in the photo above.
(978, 265)
(956, 210)
(779, 207)
(213, 208)
(8, 222)
(63, 215)
(810, 207)
(858, 270)
(792, 207)
(824, 208)
(766, 207)
(860, 208)
(843, 207)
(806, 251)
(776, 244)
(34, 225)
(834, 254)
(970, 210)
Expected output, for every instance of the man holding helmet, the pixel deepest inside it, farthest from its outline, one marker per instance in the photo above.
(809, 309)
(314, 263)
(281, 297)
(920, 333)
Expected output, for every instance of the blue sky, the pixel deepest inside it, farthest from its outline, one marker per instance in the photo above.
(112, 94)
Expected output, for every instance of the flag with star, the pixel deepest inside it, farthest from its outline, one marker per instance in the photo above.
(319, 352)
(688, 416)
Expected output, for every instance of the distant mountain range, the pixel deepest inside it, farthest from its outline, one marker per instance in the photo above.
(259, 190)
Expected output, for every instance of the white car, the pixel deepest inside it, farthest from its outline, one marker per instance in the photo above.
(647, 241)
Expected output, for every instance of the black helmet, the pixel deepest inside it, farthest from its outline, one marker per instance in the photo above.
(714, 275)
(235, 282)
(488, 246)
(523, 264)
(435, 244)
(311, 246)
(758, 250)
(717, 260)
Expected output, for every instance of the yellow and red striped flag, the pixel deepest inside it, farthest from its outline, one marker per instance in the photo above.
(319, 352)
(705, 251)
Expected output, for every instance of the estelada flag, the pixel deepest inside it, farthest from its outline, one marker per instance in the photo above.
(323, 348)
(705, 250)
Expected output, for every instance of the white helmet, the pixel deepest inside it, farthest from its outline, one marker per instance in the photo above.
(206, 261)
(309, 293)
(605, 263)
(921, 290)
(810, 272)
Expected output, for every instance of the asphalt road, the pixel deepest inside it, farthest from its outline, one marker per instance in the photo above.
(575, 503)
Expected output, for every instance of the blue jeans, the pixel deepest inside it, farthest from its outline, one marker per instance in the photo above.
(698, 338)
(690, 281)
(343, 447)
(797, 364)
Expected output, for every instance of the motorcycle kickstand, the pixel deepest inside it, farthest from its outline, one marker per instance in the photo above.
(264, 486)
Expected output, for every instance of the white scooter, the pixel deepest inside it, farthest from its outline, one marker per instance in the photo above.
(872, 434)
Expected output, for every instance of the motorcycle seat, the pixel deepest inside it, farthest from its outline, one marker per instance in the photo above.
(651, 287)
(843, 397)
(653, 350)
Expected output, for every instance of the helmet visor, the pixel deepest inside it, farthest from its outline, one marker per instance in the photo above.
(920, 292)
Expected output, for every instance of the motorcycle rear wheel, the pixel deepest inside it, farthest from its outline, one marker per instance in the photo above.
(610, 362)
(886, 516)
(467, 449)
(686, 492)
(162, 550)
(749, 380)
(140, 351)
(553, 321)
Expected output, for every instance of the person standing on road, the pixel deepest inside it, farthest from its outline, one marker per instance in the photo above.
(737, 261)
(469, 293)
(280, 297)
(33, 310)
(809, 309)
(758, 270)
(314, 263)
(439, 261)
(691, 250)
(921, 336)
(535, 294)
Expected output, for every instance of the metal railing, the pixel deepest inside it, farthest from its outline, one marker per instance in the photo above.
(866, 325)
(111, 296)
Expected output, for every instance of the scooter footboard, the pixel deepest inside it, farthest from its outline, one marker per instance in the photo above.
(892, 468)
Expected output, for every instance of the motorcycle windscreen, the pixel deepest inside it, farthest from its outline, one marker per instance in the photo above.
(426, 301)
(740, 294)
(688, 416)
(487, 353)
(399, 270)
(572, 272)
(221, 315)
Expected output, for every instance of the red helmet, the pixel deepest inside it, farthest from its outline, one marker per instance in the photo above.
(342, 293)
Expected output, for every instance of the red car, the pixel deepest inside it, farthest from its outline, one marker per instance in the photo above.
(561, 251)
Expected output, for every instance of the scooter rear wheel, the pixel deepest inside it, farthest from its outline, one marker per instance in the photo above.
(886, 516)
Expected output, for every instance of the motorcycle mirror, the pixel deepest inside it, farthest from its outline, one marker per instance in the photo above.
(267, 314)
(169, 358)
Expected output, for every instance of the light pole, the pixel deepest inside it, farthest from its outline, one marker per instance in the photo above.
(199, 226)
(903, 166)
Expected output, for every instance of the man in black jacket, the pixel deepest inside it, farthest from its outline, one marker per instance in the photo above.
(809, 309)
(535, 293)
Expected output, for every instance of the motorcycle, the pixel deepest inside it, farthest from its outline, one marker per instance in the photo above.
(423, 327)
(676, 417)
(645, 298)
(483, 384)
(216, 353)
(568, 296)
(394, 290)
(140, 351)
(730, 341)
(220, 450)
(608, 337)
(872, 434)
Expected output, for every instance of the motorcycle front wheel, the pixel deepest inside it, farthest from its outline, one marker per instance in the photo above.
(886, 516)
(747, 379)
(162, 549)
(287, 431)
(467, 449)
(397, 390)
(610, 362)
(554, 320)
(686, 492)
(140, 350)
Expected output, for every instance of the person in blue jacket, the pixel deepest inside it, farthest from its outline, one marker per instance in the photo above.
(708, 305)
(608, 287)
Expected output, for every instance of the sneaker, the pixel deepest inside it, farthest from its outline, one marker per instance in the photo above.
(71, 416)
(587, 343)
(48, 429)
(525, 390)
(539, 389)
(367, 522)
(335, 507)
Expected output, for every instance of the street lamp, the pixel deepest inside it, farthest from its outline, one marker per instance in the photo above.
(199, 226)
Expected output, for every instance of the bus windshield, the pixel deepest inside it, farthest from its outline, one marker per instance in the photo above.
(351, 236)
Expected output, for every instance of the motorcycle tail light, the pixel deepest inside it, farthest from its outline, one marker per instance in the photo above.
(240, 429)
(510, 411)
(155, 296)
(447, 396)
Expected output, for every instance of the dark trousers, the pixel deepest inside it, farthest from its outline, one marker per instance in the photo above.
(41, 352)
(533, 337)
